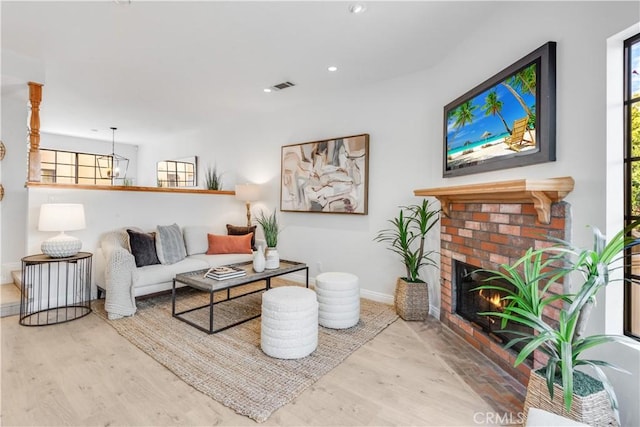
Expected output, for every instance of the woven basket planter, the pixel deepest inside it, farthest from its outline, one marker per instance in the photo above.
(412, 300)
(594, 410)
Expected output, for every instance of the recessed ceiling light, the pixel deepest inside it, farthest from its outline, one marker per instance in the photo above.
(332, 68)
(267, 90)
(357, 8)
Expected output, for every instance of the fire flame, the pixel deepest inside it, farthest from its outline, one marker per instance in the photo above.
(494, 299)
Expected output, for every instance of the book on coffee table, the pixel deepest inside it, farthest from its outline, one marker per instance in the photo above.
(224, 272)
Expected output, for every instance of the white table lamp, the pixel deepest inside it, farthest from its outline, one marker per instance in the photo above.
(248, 193)
(61, 217)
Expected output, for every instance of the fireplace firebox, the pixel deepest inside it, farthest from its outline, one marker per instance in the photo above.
(471, 301)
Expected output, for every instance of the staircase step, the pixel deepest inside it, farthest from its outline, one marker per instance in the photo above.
(17, 278)
(9, 300)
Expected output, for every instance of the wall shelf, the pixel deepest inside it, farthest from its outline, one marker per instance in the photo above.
(541, 192)
(130, 188)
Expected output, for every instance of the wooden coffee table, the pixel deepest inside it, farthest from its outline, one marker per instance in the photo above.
(196, 280)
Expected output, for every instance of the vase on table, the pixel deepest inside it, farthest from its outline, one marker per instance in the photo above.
(258, 260)
(272, 259)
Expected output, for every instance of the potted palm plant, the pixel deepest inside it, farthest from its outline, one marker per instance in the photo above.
(406, 238)
(269, 224)
(563, 344)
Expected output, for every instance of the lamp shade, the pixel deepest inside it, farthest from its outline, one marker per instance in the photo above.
(61, 217)
(247, 192)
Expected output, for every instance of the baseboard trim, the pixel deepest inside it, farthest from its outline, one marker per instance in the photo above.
(376, 296)
(364, 293)
(11, 309)
(301, 278)
(434, 311)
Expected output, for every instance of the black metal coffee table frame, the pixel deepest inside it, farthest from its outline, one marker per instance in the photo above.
(196, 280)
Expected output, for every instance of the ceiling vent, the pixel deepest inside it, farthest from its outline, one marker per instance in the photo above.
(283, 85)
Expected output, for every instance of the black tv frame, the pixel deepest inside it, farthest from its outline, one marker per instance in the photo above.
(545, 57)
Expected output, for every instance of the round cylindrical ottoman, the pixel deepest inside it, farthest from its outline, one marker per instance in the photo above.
(339, 300)
(289, 326)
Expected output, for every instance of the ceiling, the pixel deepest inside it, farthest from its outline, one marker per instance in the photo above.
(154, 69)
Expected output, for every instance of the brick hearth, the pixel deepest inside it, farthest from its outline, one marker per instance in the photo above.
(487, 235)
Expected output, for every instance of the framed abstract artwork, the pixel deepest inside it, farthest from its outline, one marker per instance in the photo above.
(328, 176)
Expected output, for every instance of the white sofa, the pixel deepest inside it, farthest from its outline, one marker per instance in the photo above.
(117, 274)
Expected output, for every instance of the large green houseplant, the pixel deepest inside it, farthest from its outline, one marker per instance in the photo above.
(406, 238)
(531, 276)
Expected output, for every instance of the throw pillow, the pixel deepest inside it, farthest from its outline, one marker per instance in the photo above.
(195, 238)
(143, 248)
(229, 244)
(170, 244)
(237, 230)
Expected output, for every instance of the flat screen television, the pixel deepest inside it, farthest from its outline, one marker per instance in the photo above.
(505, 122)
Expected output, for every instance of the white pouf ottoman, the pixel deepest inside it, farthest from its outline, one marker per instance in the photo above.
(289, 325)
(338, 299)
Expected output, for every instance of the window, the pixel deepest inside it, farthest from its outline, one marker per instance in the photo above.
(173, 173)
(66, 167)
(632, 180)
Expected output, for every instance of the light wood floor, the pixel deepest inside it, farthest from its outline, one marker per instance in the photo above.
(83, 373)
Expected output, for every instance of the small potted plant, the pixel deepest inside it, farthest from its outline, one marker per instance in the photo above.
(563, 344)
(406, 238)
(213, 179)
(269, 224)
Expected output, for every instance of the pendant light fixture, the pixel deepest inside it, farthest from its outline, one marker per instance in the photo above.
(114, 166)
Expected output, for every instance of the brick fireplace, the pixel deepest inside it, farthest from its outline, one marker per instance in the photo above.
(485, 225)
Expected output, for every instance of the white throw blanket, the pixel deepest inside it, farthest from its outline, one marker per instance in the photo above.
(119, 276)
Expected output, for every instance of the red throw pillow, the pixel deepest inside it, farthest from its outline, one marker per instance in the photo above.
(229, 244)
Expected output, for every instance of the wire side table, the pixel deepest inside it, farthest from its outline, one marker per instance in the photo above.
(55, 290)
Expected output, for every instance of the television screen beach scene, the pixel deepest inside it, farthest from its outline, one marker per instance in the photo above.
(497, 124)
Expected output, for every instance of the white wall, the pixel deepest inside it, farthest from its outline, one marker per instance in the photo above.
(142, 160)
(404, 119)
(108, 210)
(211, 149)
(93, 146)
(16, 72)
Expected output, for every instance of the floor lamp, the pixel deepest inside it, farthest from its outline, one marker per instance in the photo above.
(248, 193)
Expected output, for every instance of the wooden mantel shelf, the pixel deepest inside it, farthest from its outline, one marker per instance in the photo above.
(540, 192)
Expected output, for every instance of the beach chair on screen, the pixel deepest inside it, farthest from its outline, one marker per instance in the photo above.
(516, 141)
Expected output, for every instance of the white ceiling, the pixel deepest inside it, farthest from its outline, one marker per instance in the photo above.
(156, 68)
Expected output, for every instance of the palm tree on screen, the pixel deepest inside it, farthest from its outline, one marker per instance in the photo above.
(463, 115)
(493, 106)
(524, 81)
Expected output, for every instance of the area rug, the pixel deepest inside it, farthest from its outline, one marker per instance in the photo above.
(229, 366)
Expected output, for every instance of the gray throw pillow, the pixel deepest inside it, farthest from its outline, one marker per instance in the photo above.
(170, 244)
(143, 248)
